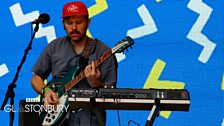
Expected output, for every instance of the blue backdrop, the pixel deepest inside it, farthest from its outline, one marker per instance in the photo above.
(178, 44)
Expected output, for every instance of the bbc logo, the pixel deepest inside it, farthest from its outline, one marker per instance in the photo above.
(32, 99)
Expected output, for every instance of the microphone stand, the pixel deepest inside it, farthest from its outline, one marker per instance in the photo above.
(10, 92)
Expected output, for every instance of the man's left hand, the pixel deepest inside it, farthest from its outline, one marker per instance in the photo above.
(92, 74)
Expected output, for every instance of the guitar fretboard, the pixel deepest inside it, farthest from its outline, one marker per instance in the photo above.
(81, 75)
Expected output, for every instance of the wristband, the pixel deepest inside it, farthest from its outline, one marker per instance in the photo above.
(43, 91)
(46, 89)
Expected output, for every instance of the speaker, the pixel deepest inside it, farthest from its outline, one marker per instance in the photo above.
(28, 115)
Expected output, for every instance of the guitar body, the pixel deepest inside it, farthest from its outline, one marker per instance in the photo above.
(56, 116)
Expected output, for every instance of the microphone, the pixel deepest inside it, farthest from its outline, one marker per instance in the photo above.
(43, 19)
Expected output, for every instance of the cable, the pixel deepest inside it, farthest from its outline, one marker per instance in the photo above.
(131, 121)
(118, 116)
(91, 118)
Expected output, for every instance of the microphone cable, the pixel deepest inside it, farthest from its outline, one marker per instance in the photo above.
(118, 114)
(131, 121)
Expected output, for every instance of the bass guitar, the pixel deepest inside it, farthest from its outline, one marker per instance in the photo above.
(61, 86)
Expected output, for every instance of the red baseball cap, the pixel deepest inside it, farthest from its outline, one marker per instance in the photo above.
(74, 8)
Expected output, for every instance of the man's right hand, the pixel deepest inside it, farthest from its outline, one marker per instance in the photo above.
(51, 98)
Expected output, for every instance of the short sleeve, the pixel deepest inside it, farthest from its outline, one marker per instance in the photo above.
(43, 65)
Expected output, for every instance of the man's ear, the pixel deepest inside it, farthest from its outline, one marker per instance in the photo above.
(63, 24)
(89, 20)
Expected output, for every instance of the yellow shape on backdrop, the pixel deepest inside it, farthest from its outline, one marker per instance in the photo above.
(100, 6)
(154, 82)
(222, 85)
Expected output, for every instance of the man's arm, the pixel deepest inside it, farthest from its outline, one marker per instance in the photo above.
(38, 84)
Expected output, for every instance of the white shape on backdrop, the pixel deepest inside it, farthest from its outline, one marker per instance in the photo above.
(223, 122)
(21, 19)
(120, 56)
(49, 32)
(195, 34)
(3, 70)
(149, 26)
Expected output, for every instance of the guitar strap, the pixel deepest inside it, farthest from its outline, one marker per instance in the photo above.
(83, 60)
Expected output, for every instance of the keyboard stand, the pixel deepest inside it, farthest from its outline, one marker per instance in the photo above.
(154, 113)
(96, 111)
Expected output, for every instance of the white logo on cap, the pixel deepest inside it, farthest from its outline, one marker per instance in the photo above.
(72, 8)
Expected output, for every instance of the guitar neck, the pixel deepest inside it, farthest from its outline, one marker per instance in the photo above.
(81, 75)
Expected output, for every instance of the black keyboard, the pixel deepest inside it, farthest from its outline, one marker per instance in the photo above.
(130, 99)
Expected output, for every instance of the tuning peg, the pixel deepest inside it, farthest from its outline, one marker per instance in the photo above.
(127, 50)
(131, 47)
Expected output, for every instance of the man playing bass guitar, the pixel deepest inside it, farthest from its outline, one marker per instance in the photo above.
(63, 54)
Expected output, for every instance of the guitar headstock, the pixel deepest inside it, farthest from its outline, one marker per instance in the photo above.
(123, 45)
